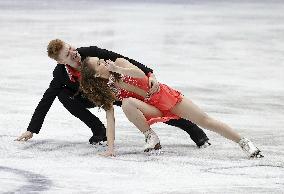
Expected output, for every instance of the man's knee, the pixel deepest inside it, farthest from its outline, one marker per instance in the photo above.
(64, 95)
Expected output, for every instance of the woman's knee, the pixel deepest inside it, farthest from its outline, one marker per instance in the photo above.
(128, 104)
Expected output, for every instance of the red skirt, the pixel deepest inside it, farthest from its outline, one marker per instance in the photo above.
(164, 100)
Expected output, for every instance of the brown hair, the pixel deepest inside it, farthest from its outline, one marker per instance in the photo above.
(96, 89)
(54, 48)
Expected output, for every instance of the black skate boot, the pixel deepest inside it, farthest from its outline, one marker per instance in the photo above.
(98, 140)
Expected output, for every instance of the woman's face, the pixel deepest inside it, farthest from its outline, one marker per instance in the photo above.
(99, 65)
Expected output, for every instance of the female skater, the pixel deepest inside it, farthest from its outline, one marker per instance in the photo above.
(105, 81)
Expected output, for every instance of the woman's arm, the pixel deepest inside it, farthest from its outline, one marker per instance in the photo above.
(110, 128)
(110, 132)
(123, 66)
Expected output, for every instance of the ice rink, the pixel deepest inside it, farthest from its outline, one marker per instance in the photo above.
(227, 56)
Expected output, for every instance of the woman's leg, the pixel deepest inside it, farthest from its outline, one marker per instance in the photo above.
(135, 110)
(188, 110)
(195, 132)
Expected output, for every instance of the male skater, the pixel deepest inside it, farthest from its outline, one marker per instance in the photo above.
(64, 85)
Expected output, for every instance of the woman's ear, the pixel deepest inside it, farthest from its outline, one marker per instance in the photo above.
(97, 75)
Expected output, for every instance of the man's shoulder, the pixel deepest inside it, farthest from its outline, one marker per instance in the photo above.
(59, 68)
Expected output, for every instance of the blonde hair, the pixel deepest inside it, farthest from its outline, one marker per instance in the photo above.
(54, 48)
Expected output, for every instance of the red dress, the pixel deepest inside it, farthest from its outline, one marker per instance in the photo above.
(163, 100)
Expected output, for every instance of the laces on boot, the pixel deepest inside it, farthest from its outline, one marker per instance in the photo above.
(152, 141)
(248, 147)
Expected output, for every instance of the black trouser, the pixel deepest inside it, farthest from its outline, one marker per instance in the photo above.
(196, 133)
(77, 106)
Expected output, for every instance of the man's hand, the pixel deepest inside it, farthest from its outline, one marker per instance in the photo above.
(108, 153)
(154, 85)
(25, 136)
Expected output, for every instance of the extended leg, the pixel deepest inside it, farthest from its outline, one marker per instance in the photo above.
(188, 110)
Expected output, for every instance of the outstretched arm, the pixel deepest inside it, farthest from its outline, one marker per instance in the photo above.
(44, 105)
(110, 132)
(94, 51)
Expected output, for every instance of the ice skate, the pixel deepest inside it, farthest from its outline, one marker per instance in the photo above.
(152, 141)
(98, 141)
(251, 150)
(205, 144)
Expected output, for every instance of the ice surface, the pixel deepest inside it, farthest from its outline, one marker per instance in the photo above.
(226, 56)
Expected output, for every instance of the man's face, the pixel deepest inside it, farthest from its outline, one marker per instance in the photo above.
(69, 55)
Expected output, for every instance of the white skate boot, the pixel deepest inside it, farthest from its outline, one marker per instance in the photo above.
(250, 149)
(152, 141)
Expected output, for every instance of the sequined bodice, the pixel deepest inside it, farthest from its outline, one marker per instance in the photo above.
(121, 93)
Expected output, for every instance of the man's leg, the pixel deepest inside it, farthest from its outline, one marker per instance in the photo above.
(196, 133)
(77, 106)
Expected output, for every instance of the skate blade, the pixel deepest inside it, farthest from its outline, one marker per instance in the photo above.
(205, 145)
(157, 147)
(154, 152)
(257, 154)
(100, 144)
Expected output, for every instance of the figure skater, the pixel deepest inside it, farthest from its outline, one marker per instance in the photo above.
(104, 82)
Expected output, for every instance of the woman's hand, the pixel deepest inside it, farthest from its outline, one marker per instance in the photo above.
(154, 86)
(25, 136)
(108, 153)
(111, 66)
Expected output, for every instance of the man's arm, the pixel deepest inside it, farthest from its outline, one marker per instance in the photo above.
(94, 51)
(45, 103)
